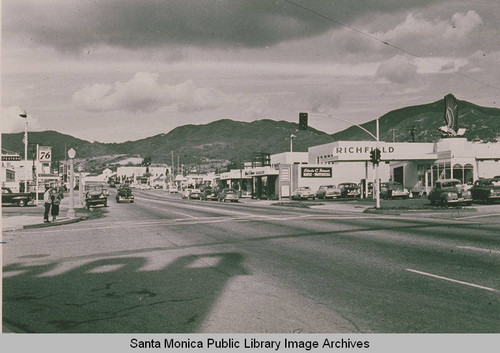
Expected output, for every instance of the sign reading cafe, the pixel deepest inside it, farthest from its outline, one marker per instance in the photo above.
(311, 172)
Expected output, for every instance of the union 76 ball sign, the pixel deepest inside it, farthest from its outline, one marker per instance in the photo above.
(44, 153)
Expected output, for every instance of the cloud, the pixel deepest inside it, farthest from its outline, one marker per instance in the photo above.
(12, 122)
(143, 93)
(74, 25)
(398, 69)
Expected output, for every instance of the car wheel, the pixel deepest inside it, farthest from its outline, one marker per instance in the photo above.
(21, 203)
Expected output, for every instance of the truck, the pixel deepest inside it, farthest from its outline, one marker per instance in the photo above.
(16, 198)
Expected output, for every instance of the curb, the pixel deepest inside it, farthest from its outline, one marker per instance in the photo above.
(45, 225)
(423, 210)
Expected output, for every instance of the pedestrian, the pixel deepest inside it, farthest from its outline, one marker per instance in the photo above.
(56, 201)
(47, 200)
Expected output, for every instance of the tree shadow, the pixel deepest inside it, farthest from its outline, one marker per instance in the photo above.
(115, 296)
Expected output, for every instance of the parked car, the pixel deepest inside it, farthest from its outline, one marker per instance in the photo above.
(392, 190)
(246, 194)
(229, 195)
(449, 192)
(486, 190)
(95, 195)
(195, 194)
(124, 194)
(303, 193)
(328, 191)
(16, 198)
(349, 190)
(209, 194)
(173, 190)
(185, 193)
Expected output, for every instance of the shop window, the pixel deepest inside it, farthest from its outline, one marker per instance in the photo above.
(458, 172)
(468, 174)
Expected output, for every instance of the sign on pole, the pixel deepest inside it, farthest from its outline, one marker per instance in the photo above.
(44, 154)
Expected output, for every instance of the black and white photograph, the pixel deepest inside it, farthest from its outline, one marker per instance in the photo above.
(250, 167)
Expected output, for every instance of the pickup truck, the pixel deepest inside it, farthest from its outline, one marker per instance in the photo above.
(16, 198)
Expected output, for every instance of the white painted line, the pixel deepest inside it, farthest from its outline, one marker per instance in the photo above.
(480, 216)
(479, 249)
(454, 280)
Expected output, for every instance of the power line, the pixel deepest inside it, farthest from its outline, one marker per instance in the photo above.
(368, 35)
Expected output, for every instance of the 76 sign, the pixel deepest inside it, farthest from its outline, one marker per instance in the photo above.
(44, 153)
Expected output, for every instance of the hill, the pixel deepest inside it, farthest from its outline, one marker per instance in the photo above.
(420, 123)
(224, 141)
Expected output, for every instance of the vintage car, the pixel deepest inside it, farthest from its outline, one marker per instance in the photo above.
(486, 190)
(449, 192)
(96, 195)
(16, 198)
(228, 195)
(392, 190)
(328, 191)
(303, 193)
(209, 194)
(185, 193)
(195, 194)
(124, 194)
(349, 190)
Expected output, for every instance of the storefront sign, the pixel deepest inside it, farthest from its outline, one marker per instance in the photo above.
(361, 149)
(11, 158)
(324, 172)
(285, 174)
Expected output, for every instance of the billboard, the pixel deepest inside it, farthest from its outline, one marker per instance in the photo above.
(316, 172)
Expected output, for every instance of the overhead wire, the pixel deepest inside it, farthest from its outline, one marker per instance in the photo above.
(372, 37)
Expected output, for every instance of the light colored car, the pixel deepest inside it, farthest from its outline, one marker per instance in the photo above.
(392, 190)
(449, 192)
(328, 192)
(195, 194)
(246, 194)
(229, 195)
(185, 193)
(303, 193)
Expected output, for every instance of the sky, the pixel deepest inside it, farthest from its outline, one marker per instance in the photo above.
(120, 70)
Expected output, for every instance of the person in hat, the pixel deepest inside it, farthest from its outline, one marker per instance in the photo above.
(47, 200)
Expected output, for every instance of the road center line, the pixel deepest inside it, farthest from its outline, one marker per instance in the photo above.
(454, 280)
(479, 249)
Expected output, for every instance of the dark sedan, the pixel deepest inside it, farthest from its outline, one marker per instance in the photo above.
(486, 190)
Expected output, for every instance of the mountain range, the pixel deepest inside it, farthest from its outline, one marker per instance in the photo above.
(224, 141)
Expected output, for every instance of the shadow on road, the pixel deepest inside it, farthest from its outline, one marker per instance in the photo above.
(116, 296)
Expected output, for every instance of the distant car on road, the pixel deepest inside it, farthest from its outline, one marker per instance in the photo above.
(486, 190)
(303, 193)
(195, 194)
(124, 194)
(392, 190)
(229, 195)
(185, 193)
(16, 198)
(449, 192)
(328, 192)
(246, 194)
(209, 194)
(349, 190)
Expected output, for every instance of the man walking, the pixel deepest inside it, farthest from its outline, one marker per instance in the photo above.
(47, 200)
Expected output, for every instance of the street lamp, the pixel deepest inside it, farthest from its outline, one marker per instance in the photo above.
(376, 185)
(292, 136)
(71, 210)
(25, 140)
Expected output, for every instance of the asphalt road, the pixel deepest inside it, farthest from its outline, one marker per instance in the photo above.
(170, 265)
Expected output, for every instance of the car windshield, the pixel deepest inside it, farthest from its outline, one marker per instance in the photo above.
(230, 192)
(304, 188)
(449, 184)
(331, 186)
(396, 186)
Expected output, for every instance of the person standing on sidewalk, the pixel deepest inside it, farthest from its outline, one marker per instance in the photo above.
(56, 197)
(47, 200)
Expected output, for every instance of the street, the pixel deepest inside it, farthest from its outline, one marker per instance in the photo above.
(164, 265)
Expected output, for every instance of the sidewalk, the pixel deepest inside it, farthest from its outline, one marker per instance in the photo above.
(26, 221)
